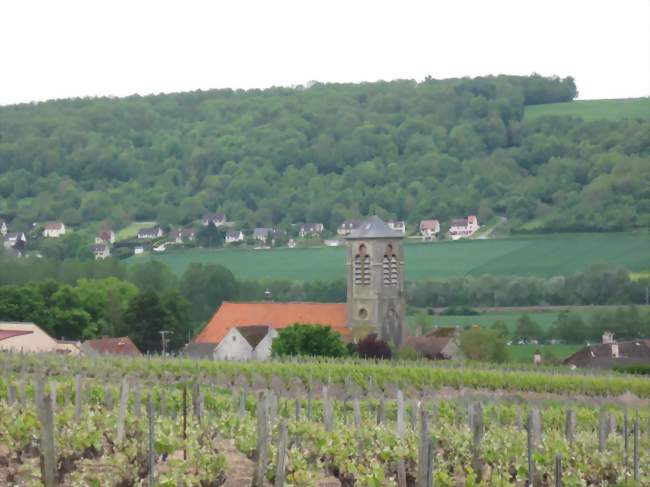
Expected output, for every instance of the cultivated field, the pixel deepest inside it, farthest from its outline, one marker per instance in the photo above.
(593, 109)
(539, 256)
(148, 421)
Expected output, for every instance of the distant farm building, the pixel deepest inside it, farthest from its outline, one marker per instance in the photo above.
(245, 331)
(217, 219)
(463, 227)
(311, 230)
(150, 233)
(15, 240)
(438, 344)
(429, 228)
(234, 236)
(26, 338)
(347, 226)
(397, 225)
(101, 251)
(105, 236)
(122, 346)
(53, 229)
(611, 353)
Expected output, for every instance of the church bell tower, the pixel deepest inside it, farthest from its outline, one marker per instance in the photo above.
(376, 300)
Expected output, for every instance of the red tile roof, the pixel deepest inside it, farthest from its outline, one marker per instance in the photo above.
(113, 346)
(276, 315)
(4, 334)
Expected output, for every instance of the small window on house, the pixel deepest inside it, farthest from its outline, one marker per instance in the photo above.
(363, 313)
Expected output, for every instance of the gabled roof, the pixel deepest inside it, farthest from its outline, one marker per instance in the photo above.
(261, 232)
(373, 227)
(214, 216)
(233, 233)
(53, 225)
(253, 334)
(199, 350)
(430, 347)
(99, 248)
(275, 315)
(424, 224)
(5, 334)
(112, 346)
(459, 222)
(601, 354)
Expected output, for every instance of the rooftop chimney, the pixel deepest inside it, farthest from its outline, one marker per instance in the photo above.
(608, 337)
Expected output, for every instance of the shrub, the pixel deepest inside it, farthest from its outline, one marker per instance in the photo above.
(314, 340)
(373, 347)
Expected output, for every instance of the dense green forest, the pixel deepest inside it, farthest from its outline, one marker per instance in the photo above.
(400, 149)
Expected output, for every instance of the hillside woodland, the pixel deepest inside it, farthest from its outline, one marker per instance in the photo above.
(326, 152)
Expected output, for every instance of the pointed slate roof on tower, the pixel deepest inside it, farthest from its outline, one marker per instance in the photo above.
(373, 227)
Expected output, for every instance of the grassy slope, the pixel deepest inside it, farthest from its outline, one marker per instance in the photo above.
(542, 256)
(593, 109)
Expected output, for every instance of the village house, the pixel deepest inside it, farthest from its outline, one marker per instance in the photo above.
(217, 219)
(121, 346)
(150, 233)
(53, 229)
(105, 236)
(438, 344)
(429, 229)
(463, 228)
(138, 250)
(347, 226)
(181, 235)
(397, 225)
(101, 251)
(15, 240)
(291, 243)
(234, 236)
(610, 353)
(245, 331)
(261, 234)
(311, 230)
(26, 338)
(3, 227)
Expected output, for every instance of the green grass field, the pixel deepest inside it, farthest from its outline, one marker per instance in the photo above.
(593, 109)
(525, 353)
(541, 256)
(545, 319)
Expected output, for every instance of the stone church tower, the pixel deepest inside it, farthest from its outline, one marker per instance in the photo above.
(376, 300)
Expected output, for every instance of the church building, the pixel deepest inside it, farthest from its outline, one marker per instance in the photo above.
(376, 303)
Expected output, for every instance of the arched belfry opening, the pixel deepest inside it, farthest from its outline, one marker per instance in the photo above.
(375, 296)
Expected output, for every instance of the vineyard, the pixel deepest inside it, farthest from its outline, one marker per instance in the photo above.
(167, 422)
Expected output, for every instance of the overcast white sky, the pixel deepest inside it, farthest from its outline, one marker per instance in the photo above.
(60, 48)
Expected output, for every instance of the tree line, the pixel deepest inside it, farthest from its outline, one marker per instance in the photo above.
(401, 149)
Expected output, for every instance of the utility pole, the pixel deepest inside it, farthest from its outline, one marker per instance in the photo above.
(163, 336)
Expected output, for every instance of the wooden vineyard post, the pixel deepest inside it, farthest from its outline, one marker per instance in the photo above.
(356, 408)
(280, 470)
(163, 402)
(558, 470)
(611, 424)
(626, 440)
(48, 453)
(309, 402)
(381, 411)
(414, 414)
(242, 405)
(53, 387)
(89, 396)
(297, 409)
(11, 400)
(137, 400)
(477, 437)
(401, 467)
(570, 425)
(77, 397)
(184, 422)
(124, 397)
(424, 452)
(636, 449)
(39, 394)
(152, 443)
(602, 434)
(262, 450)
(530, 443)
(67, 394)
(108, 398)
(537, 427)
(327, 410)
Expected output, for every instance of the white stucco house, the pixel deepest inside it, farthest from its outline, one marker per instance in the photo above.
(3, 227)
(233, 236)
(463, 227)
(54, 229)
(429, 228)
(397, 225)
(246, 343)
(101, 251)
